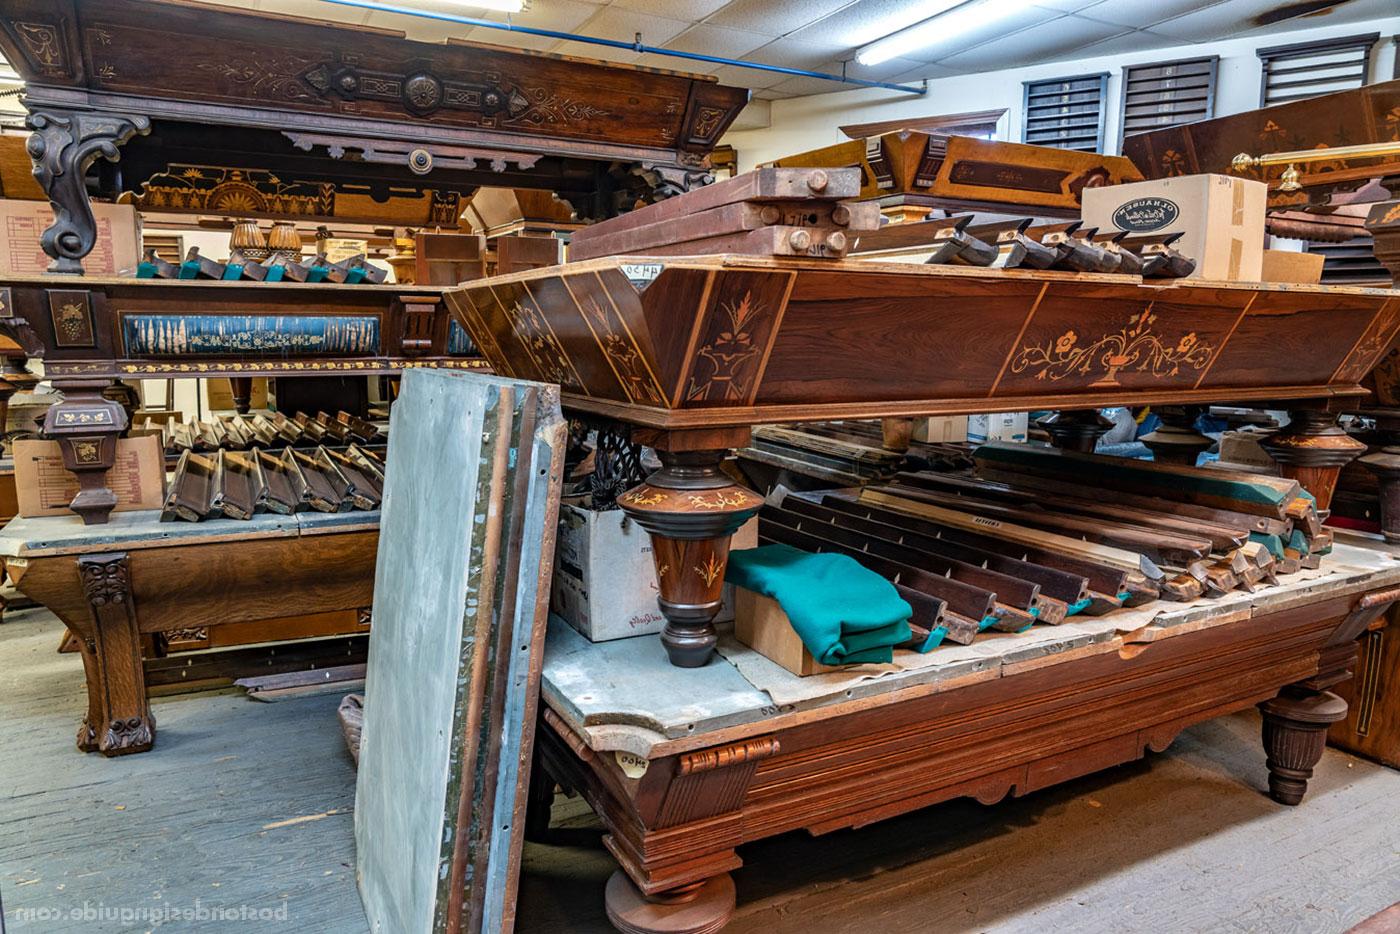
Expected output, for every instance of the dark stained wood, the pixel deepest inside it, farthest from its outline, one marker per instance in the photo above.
(790, 340)
(678, 824)
(962, 172)
(1372, 725)
(1364, 115)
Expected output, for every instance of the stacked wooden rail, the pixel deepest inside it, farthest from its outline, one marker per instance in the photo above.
(279, 267)
(770, 212)
(227, 484)
(846, 453)
(1038, 535)
(1021, 243)
(269, 429)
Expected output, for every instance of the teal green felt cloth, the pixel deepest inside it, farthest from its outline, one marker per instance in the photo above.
(843, 612)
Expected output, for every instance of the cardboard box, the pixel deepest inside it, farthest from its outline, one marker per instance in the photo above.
(604, 580)
(1220, 217)
(999, 426)
(761, 624)
(117, 251)
(1289, 266)
(45, 487)
(1241, 449)
(946, 428)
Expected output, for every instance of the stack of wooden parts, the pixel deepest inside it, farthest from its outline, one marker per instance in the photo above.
(269, 429)
(1039, 534)
(843, 453)
(461, 597)
(1067, 246)
(240, 484)
(279, 267)
(768, 212)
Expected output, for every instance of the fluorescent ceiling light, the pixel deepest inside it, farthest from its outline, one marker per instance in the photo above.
(940, 28)
(503, 6)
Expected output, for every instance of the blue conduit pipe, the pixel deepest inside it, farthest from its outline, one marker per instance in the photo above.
(635, 46)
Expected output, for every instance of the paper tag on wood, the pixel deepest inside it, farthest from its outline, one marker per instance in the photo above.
(632, 765)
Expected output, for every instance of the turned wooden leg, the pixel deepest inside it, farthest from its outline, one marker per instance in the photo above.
(693, 909)
(897, 434)
(1077, 430)
(242, 387)
(1295, 734)
(1177, 441)
(123, 722)
(1385, 464)
(690, 508)
(86, 426)
(1312, 449)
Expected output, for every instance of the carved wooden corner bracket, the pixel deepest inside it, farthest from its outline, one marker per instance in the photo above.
(63, 146)
(123, 716)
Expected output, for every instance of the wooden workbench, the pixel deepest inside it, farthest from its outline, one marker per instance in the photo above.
(110, 584)
(684, 765)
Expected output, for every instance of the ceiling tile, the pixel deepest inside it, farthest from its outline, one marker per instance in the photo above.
(562, 15)
(622, 25)
(1059, 39)
(1025, 21)
(1064, 6)
(768, 94)
(881, 72)
(1227, 19)
(1132, 40)
(798, 54)
(747, 77)
(691, 10)
(1141, 14)
(799, 87)
(718, 41)
(778, 17)
(867, 20)
(604, 53)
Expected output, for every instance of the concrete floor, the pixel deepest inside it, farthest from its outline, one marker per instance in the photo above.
(246, 806)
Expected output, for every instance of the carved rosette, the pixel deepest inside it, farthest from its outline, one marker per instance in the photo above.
(1295, 733)
(690, 509)
(1312, 449)
(63, 145)
(106, 582)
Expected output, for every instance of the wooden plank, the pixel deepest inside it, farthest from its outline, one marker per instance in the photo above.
(461, 587)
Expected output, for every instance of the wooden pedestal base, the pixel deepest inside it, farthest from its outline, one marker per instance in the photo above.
(690, 509)
(697, 909)
(1295, 734)
(1312, 449)
(1078, 430)
(1177, 441)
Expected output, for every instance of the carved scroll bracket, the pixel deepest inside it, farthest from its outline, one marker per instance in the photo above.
(63, 145)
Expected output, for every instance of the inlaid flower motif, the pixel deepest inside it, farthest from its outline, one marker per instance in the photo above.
(1186, 343)
(1066, 341)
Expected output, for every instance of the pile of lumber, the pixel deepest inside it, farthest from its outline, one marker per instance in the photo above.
(1037, 534)
(841, 453)
(279, 267)
(767, 212)
(228, 484)
(1067, 246)
(269, 429)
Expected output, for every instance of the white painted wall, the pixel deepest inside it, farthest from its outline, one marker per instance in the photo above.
(803, 123)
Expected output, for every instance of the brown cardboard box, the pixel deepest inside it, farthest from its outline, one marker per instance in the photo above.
(761, 624)
(45, 488)
(1287, 266)
(1221, 219)
(944, 428)
(118, 247)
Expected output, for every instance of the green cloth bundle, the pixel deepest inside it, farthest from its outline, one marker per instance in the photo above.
(844, 613)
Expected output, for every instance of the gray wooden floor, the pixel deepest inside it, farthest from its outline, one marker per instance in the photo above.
(246, 807)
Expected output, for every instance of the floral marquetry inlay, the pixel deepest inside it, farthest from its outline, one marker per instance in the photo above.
(1134, 348)
(722, 364)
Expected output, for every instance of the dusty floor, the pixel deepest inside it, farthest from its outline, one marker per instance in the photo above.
(245, 809)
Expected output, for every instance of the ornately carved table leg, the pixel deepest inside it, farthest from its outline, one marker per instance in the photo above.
(1295, 734)
(690, 508)
(1076, 429)
(118, 712)
(242, 388)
